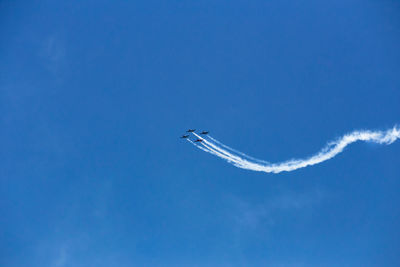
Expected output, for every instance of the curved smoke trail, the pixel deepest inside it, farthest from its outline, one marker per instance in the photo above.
(331, 150)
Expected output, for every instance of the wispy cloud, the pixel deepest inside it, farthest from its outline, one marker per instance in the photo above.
(62, 257)
(252, 220)
(250, 216)
(53, 53)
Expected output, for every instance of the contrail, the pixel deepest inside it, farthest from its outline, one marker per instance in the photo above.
(236, 151)
(202, 148)
(329, 151)
(208, 149)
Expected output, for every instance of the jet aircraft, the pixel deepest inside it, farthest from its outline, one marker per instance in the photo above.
(199, 140)
(204, 132)
(191, 130)
(185, 136)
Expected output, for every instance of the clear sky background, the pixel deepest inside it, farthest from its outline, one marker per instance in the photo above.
(93, 98)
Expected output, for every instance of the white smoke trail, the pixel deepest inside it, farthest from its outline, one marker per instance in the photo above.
(237, 152)
(209, 149)
(330, 151)
(202, 148)
(222, 152)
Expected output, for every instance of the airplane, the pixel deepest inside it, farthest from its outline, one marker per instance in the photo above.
(191, 130)
(185, 136)
(204, 132)
(199, 140)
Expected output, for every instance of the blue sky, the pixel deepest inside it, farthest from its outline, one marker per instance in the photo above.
(93, 97)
